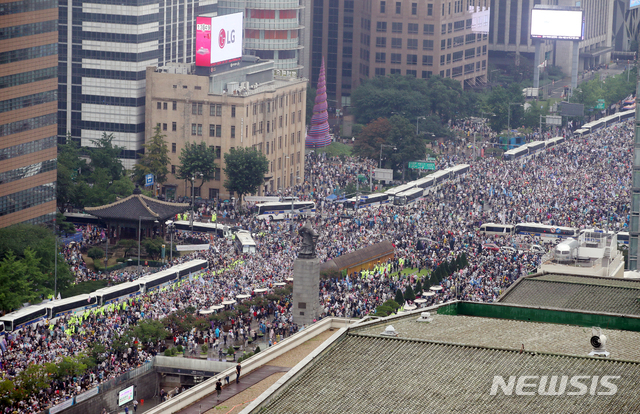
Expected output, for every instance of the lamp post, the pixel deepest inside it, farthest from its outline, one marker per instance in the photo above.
(418, 119)
(384, 145)
(139, 232)
(483, 130)
(171, 227)
(509, 118)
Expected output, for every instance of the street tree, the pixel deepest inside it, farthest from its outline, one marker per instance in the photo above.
(406, 145)
(245, 169)
(370, 139)
(197, 161)
(155, 159)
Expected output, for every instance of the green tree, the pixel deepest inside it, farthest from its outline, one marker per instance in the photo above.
(95, 253)
(311, 97)
(409, 294)
(373, 135)
(153, 247)
(149, 330)
(399, 297)
(70, 168)
(498, 102)
(14, 288)
(406, 145)
(155, 159)
(245, 169)
(127, 245)
(63, 226)
(418, 288)
(32, 380)
(104, 155)
(197, 161)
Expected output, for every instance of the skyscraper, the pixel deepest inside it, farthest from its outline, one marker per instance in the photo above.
(105, 49)
(28, 111)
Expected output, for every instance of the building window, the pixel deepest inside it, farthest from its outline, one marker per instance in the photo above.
(233, 111)
(279, 143)
(173, 169)
(412, 43)
(175, 105)
(459, 25)
(457, 56)
(298, 137)
(381, 42)
(442, 59)
(396, 43)
(383, 6)
(414, 9)
(218, 152)
(411, 72)
(398, 7)
(449, 43)
(429, 9)
(395, 71)
(267, 147)
(199, 109)
(427, 44)
(428, 29)
(470, 53)
(164, 105)
(173, 147)
(412, 28)
(426, 74)
(396, 58)
(379, 71)
(381, 27)
(427, 60)
(443, 44)
(396, 27)
(212, 130)
(193, 129)
(381, 58)
(233, 131)
(458, 41)
(194, 109)
(174, 126)
(159, 105)
(199, 130)
(164, 127)
(444, 29)
(412, 60)
(253, 129)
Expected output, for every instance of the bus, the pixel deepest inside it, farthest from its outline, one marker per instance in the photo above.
(115, 294)
(24, 317)
(282, 210)
(71, 306)
(546, 232)
(392, 192)
(83, 219)
(371, 200)
(218, 229)
(170, 275)
(623, 238)
(408, 197)
(497, 229)
(244, 242)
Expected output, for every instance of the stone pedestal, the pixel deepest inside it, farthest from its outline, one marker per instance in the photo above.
(306, 279)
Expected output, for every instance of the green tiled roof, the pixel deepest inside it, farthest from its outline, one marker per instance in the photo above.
(577, 293)
(372, 374)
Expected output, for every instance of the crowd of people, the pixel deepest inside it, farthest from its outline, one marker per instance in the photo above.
(584, 183)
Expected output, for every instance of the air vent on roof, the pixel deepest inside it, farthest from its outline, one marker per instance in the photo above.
(425, 317)
(598, 342)
(389, 331)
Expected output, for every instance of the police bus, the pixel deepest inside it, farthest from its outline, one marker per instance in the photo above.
(283, 210)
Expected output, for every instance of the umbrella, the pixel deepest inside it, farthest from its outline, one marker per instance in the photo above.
(331, 197)
(226, 201)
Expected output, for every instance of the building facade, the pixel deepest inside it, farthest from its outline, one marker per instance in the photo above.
(28, 115)
(243, 105)
(365, 39)
(272, 30)
(105, 48)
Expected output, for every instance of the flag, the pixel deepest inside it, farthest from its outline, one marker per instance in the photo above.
(190, 277)
(59, 296)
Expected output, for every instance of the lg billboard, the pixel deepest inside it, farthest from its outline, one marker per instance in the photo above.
(218, 39)
(557, 24)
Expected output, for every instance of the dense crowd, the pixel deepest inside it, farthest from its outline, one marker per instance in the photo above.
(584, 183)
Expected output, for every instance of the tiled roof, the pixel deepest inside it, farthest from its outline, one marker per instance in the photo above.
(371, 374)
(138, 205)
(595, 294)
(363, 255)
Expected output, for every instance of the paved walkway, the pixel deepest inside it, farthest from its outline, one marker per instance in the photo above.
(232, 389)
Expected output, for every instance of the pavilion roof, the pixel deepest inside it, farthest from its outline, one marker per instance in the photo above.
(138, 206)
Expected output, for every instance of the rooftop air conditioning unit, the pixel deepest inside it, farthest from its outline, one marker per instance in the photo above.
(389, 331)
(425, 317)
(598, 342)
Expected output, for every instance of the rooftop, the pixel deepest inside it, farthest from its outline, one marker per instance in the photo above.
(596, 294)
(138, 206)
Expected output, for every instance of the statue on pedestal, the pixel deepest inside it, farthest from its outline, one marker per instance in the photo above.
(309, 240)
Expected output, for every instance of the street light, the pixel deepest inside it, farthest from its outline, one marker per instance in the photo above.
(139, 234)
(509, 119)
(417, 119)
(193, 199)
(383, 145)
(171, 227)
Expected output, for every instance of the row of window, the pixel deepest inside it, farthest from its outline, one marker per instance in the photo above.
(280, 160)
(28, 29)
(28, 77)
(409, 72)
(427, 60)
(28, 171)
(412, 28)
(456, 26)
(398, 8)
(28, 124)
(28, 53)
(24, 6)
(455, 72)
(28, 198)
(27, 101)
(27, 148)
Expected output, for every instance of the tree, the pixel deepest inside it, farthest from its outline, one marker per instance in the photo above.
(153, 246)
(105, 155)
(399, 297)
(368, 142)
(155, 159)
(311, 97)
(408, 294)
(32, 380)
(149, 330)
(407, 146)
(245, 169)
(95, 253)
(197, 161)
(70, 169)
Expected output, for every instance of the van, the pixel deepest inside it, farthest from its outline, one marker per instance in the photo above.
(508, 249)
(534, 248)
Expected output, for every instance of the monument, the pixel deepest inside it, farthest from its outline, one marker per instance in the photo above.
(306, 278)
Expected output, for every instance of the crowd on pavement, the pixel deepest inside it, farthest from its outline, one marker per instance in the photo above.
(583, 183)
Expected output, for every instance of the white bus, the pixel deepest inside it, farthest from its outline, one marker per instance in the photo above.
(244, 242)
(282, 210)
(497, 229)
(408, 196)
(546, 232)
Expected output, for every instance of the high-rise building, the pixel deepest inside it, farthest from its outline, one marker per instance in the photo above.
(28, 111)
(241, 104)
(272, 31)
(105, 48)
(365, 39)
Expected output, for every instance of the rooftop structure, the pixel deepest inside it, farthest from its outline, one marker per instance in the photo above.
(318, 134)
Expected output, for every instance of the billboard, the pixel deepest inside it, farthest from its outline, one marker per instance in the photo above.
(556, 24)
(218, 39)
(480, 19)
(125, 396)
(634, 3)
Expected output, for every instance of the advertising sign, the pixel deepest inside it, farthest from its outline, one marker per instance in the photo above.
(218, 39)
(422, 165)
(634, 3)
(125, 396)
(556, 24)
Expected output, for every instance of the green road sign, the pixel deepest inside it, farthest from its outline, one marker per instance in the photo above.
(600, 104)
(422, 165)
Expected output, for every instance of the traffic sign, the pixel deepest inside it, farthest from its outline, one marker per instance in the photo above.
(600, 104)
(422, 165)
(148, 180)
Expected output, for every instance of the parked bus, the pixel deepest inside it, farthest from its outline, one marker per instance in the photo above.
(71, 306)
(371, 200)
(282, 210)
(546, 232)
(218, 229)
(497, 229)
(23, 317)
(408, 197)
(244, 242)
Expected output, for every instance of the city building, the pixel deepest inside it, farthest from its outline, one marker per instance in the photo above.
(510, 34)
(105, 48)
(237, 104)
(372, 38)
(272, 30)
(29, 111)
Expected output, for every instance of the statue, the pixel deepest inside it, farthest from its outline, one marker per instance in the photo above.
(309, 240)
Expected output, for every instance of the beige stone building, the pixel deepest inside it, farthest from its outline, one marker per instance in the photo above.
(245, 105)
